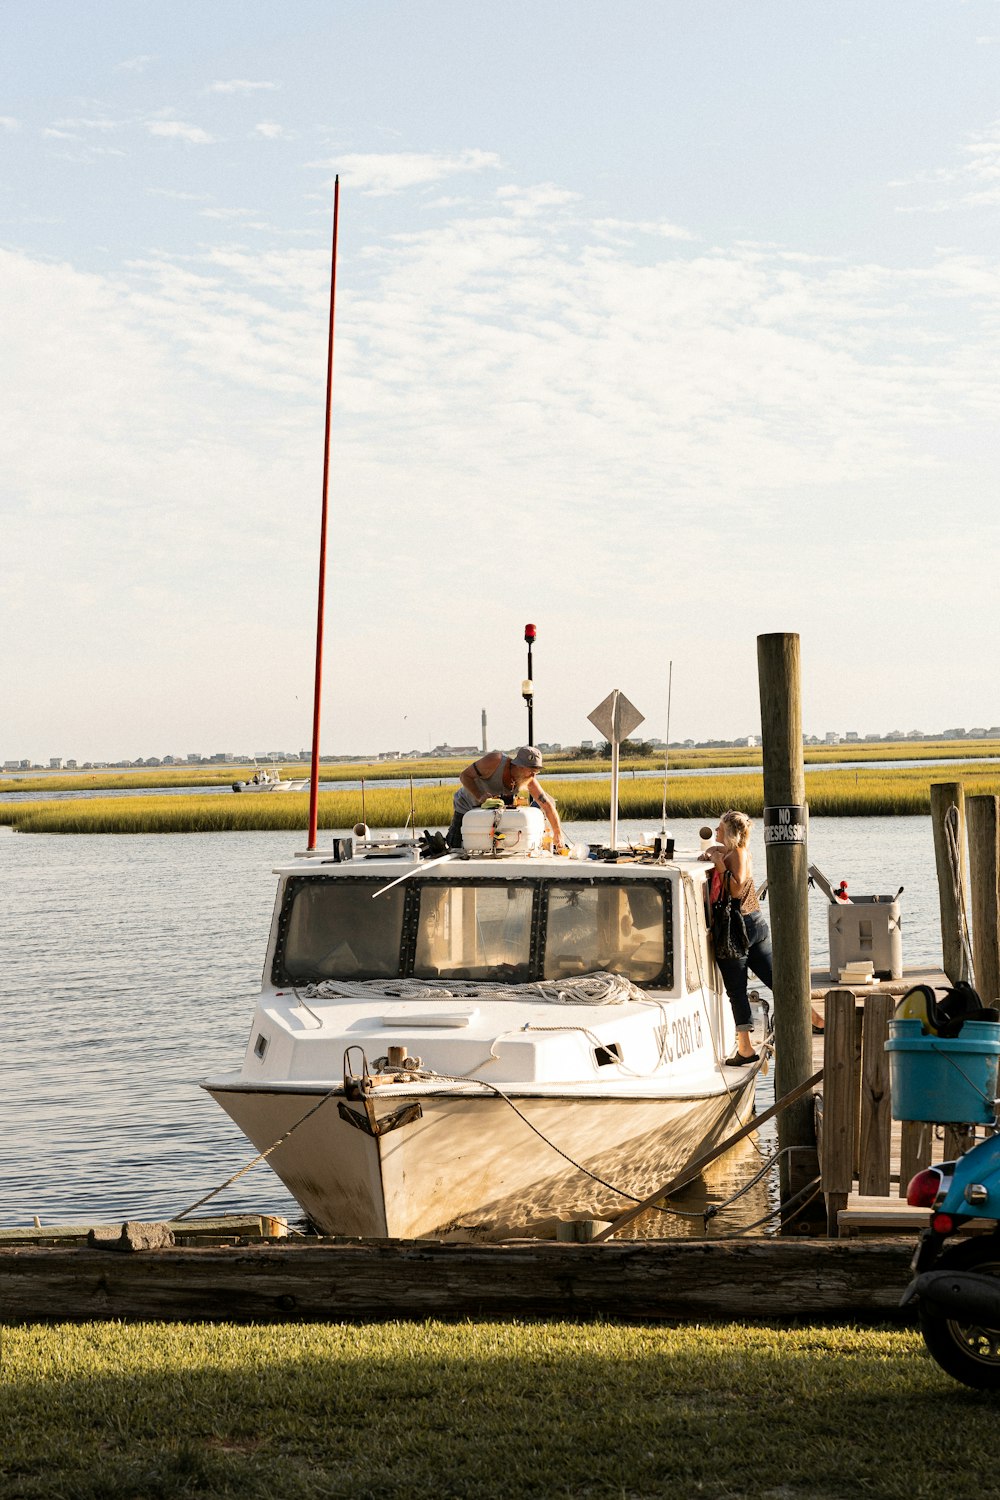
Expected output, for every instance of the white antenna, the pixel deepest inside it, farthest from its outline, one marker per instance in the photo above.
(666, 753)
(615, 718)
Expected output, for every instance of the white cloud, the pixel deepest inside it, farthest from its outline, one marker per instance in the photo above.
(180, 131)
(380, 173)
(136, 64)
(240, 86)
(8, 122)
(179, 197)
(100, 123)
(525, 202)
(626, 230)
(966, 183)
(270, 130)
(227, 213)
(625, 410)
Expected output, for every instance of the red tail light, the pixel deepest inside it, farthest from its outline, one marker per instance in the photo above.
(942, 1223)
(924, 1188)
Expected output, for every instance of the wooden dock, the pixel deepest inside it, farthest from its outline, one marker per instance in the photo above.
(866, 1157)
(234, 1269)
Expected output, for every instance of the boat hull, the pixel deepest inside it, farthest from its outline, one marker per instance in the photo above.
(471, 1165)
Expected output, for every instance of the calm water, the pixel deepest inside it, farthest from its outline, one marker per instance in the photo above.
(128, 967)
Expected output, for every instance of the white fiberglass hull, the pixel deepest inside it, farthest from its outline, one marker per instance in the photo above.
(470, 1164)
(270, 786)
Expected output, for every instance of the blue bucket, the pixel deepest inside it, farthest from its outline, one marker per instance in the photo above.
(944, 1080)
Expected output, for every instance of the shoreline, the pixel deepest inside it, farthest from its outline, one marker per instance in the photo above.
(860, 792)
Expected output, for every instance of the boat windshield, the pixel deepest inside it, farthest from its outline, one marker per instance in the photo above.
(332, 929)
(511, 931)
(470, 931)
(617, 929)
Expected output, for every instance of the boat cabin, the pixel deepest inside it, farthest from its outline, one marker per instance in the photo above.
(514, 923)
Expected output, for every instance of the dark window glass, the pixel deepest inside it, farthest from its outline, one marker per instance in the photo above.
(606, 926)
(469, 931)
(332, 929)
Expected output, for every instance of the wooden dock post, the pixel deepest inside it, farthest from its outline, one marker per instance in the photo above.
(840, 1102)
(785, 820)
(876, 1116)
(948, 821)
(984, 885)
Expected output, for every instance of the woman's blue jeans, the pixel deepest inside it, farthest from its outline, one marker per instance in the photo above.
(734, 970)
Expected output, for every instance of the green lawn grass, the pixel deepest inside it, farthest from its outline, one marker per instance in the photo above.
(112, 1412)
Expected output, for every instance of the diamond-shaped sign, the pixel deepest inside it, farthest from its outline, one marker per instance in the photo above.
(616, 717)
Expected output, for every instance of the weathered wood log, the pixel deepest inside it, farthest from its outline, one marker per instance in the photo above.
(639, 1279)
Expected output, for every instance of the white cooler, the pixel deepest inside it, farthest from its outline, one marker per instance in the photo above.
(503, 830)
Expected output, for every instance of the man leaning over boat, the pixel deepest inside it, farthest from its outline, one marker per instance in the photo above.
(505, 777)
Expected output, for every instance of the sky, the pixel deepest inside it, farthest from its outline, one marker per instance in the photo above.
(660, 324)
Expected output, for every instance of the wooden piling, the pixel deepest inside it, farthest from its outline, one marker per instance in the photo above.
(873, 1165)
(983, 815)
(785, 820)
(948, 822)
(840, 1102)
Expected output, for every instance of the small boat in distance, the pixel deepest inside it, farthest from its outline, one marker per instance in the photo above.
(482, 1044)
(263, 780)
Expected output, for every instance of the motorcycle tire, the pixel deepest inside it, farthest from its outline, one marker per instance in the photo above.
(968, 1352)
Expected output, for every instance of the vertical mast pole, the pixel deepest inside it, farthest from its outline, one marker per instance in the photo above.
(666, 753)
(321, 591)
(528, 685)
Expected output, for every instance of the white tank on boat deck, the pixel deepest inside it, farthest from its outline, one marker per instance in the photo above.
(503, 830)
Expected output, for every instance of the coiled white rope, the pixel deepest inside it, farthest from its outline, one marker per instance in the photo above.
(582, 989)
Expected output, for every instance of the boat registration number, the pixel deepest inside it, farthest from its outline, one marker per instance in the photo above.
(683, 1036)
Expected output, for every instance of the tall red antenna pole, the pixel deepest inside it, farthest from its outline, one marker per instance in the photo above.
(321, 593)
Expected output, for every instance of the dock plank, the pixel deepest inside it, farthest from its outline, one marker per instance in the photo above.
(227, 1228)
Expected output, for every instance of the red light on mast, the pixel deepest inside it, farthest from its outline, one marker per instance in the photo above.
(529, 633)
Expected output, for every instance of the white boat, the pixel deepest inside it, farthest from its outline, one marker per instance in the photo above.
(263, 780)
(485, 1044)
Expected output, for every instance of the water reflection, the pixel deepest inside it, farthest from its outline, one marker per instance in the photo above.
(128, 966)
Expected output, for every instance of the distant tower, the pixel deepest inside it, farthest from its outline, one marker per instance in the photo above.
(484, 731)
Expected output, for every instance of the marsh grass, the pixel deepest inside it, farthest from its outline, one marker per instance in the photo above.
(117, 1412)
(857, 792)
(555, 765)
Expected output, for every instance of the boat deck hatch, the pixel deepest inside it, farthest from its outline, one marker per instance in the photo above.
(442, 1018)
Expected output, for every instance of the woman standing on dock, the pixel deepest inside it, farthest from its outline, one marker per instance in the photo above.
(731, 857)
